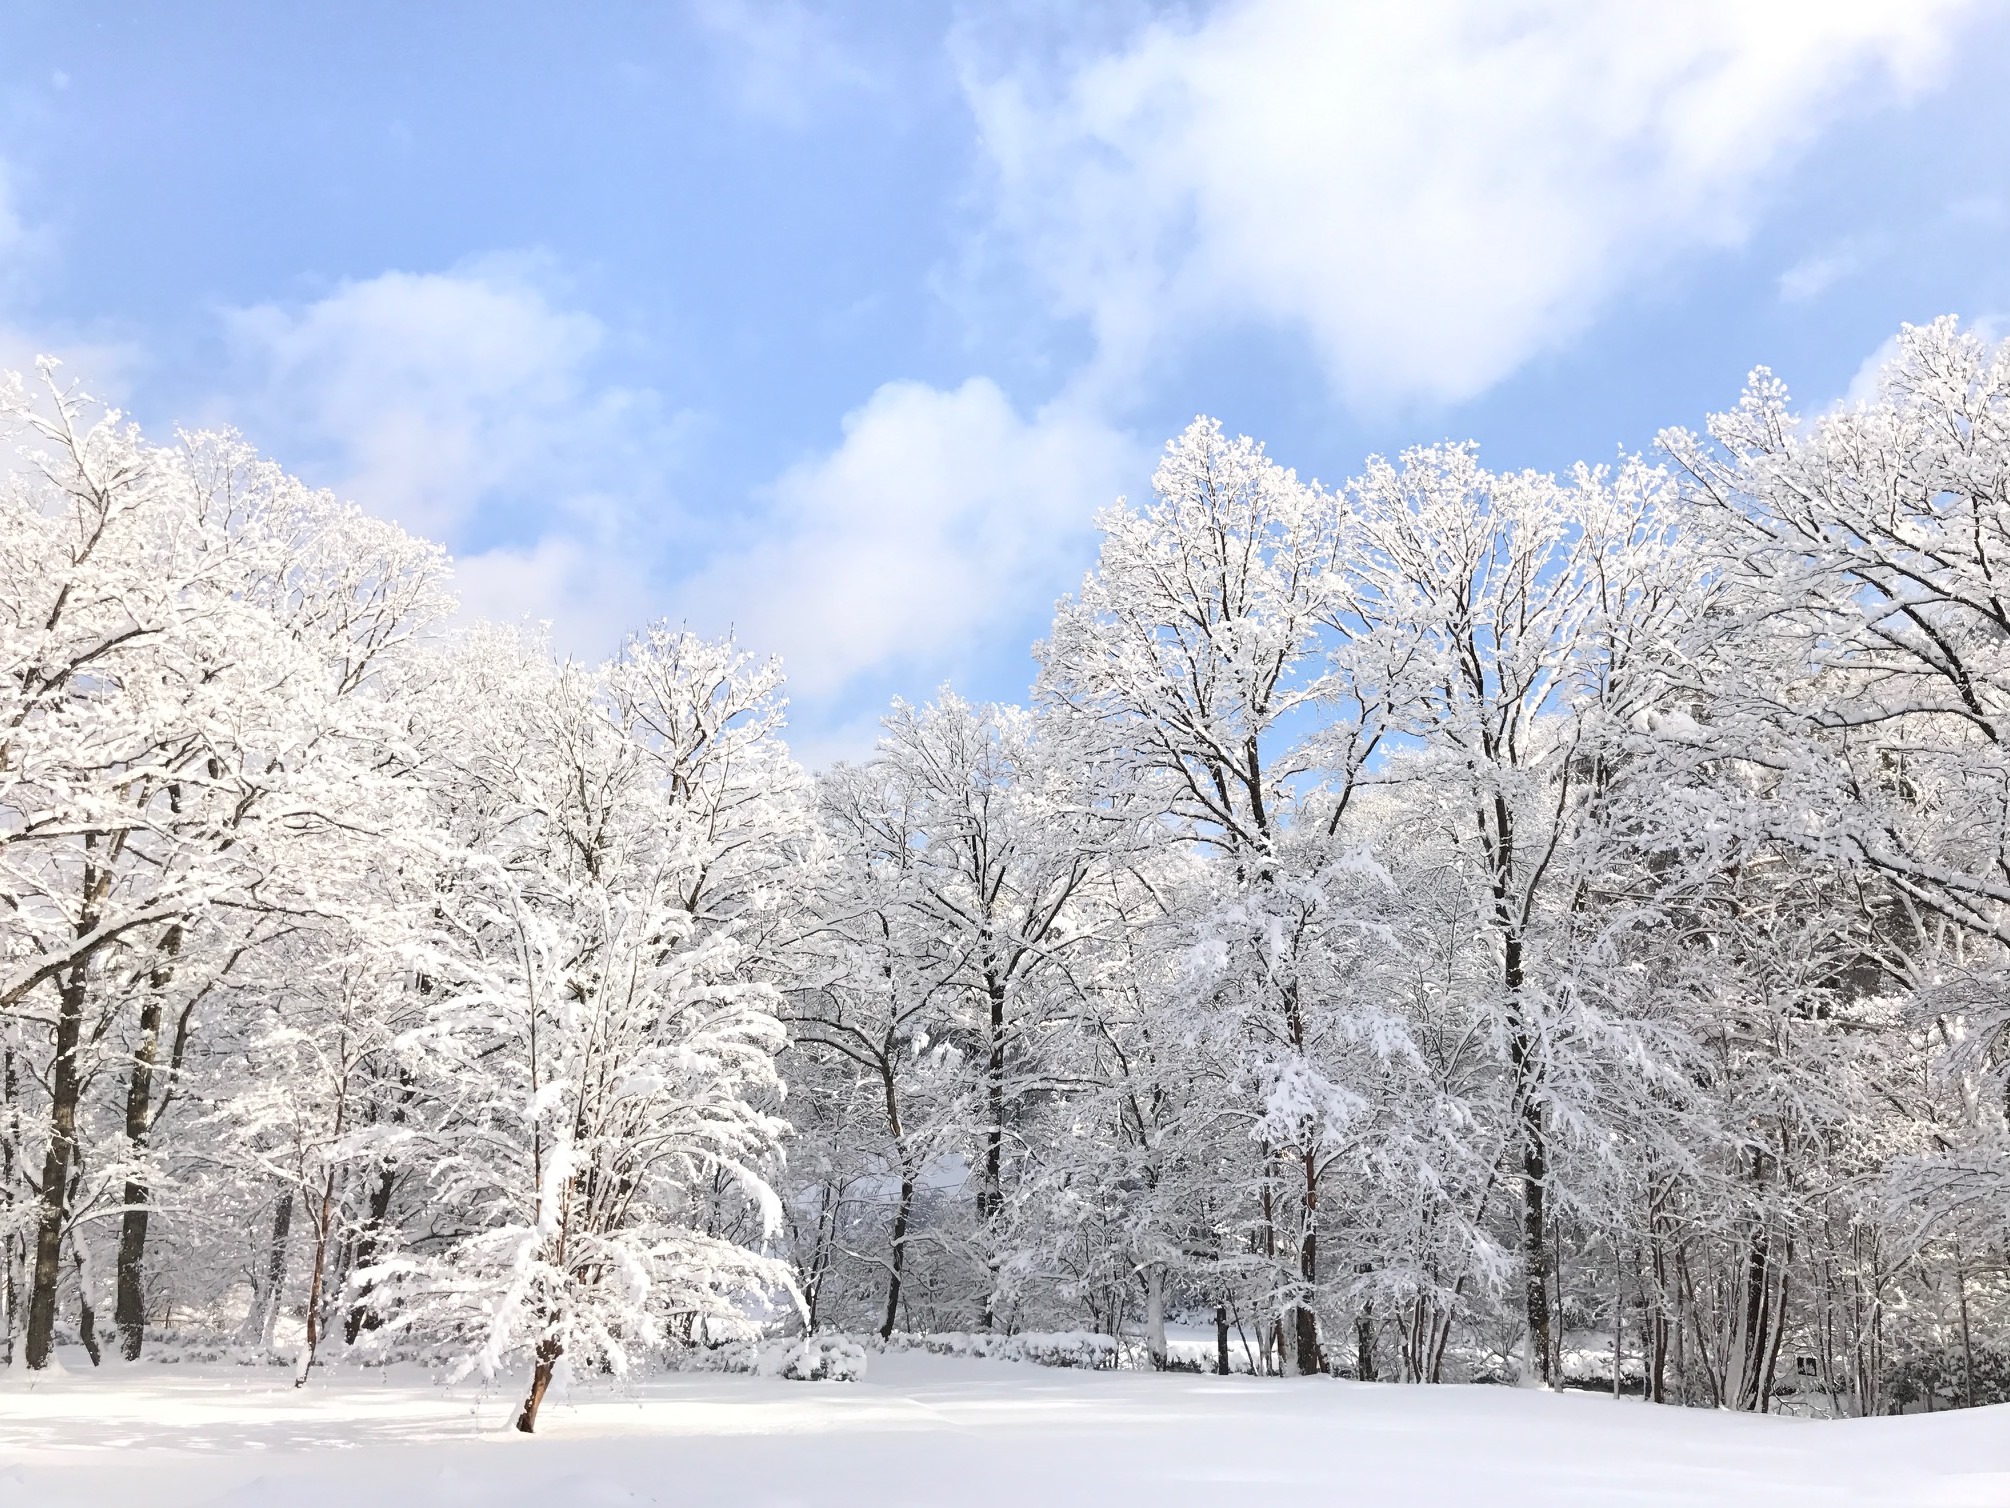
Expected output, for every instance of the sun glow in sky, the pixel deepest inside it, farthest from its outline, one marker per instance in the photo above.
(834, 325)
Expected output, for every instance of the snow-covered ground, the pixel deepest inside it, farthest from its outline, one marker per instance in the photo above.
(947, 1431)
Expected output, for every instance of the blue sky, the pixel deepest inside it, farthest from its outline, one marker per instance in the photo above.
(835, 325)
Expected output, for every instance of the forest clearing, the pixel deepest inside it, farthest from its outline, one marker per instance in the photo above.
(927, 1431)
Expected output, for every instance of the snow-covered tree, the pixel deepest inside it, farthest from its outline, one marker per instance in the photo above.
(597, 1033)
(189, 638)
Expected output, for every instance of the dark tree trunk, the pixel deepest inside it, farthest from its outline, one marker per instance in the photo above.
(991, 1197)
(87, 1315)
(275, 1268)
(1305, 1322)
(10, 1292)
(1496, 823)
(65, 1088)
(361, 1316)
(1533, 1127)
(897, 1258)
(897, 1253)
(130, 1311)
(1967, 1340)
(1221, 1340)
(1663, 1287)
(323, 1221)
(548, 1352)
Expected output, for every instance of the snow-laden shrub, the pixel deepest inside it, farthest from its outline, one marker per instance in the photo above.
(807, 1358)
(1058, 1348)
(815, 1358)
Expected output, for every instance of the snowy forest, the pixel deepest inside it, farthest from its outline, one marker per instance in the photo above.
(1453, 926)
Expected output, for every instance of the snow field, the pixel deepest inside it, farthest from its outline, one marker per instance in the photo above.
(946, 1432)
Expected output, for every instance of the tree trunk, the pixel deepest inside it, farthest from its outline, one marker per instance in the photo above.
(1658, 1372)
(897, 1254)
(65, 1088)
(1155, 1314)
(1618, 1317)
(321, 1225)
(548, 1352)
(1525, 1068)
(897, 1258)
(87, 1314)
(991, 1195)
(1221, 1340)
(1534, 1132)
(1305, 1320)
(274, 1289)
(1967, 1340)
(130, 1310)
(1364, 1342)
(361, 1316)
(10, 1293)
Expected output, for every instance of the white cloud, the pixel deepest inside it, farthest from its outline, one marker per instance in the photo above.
(1813, 276)
(592, 598)
(1864, 383)
(781, 56)
(429, 390)
(13, 234)
(1431, 192)
(102, 365)
(101, 369)
(469, 407)
(941, 515)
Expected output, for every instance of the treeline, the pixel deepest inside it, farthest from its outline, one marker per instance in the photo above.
(1461, 925)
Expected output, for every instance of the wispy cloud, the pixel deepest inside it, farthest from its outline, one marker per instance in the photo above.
(941, 514)
(781, 57)
(471, 406)
(1812, 276)
(103, 363)
(1430, 193)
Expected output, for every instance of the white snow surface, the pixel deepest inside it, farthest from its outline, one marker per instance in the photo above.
(936, 1430)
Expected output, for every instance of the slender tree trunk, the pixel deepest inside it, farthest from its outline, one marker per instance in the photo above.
(991, 1198)
(65, 1089)
(1364, 1342)
(361, 1316)
(1759, 1326)
(820, 1254)
(1534, 1133)
(1657, 1379)
(897, 1255)
(897, 1258)
(991, 1195)
(1305, 1318)
(1776, 1326)
(1618, 1316)
(1439, 1345)
(1967, 1341)
(130, 1309)
(10, 1291)
(274, 1289)
(1221, 1340)
(549, 1350)
(1155, 1314)
(321, 1224)
(87, 1313)
(1681, 1341)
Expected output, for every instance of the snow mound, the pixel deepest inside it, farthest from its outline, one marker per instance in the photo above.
(815, 1358)
(808, 1358)
(1053, 1348)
